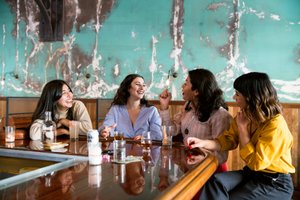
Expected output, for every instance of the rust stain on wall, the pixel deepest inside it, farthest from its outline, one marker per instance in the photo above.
(178, 12)
(228, 50)
(88, 11)
(22, 12)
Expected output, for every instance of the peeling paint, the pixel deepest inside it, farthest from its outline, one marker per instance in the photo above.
(215, 6)
(275, 17)
(104, 40)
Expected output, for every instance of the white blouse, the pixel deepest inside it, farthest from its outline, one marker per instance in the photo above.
(188, 125)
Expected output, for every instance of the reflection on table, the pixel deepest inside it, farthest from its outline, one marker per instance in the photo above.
(165, 172)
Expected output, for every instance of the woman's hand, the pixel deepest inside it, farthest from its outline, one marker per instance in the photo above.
(137, 137)
(243, 123)
(63, 122)
(105, 132)
(164, 99)
(193, 142)
(193, 159)
(62, 131)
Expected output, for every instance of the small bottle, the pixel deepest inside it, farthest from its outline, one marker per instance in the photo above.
(93, 137)
(49, 128)
(95, 153)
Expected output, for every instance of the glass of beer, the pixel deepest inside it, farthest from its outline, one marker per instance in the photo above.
(118, 135)
(146, 139)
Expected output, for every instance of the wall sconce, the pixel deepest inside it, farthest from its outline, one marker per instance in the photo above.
(171, 75)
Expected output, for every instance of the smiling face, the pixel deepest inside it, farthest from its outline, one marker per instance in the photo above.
(137, 88)
(66, 100)
(240, 100)
(187, 93)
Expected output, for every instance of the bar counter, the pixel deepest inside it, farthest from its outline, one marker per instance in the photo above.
(163, 172)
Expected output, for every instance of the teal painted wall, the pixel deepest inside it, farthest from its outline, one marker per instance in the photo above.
(106, 40)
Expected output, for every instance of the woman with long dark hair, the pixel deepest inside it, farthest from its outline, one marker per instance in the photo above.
(204, 115)
(130, 112)
(57, 97)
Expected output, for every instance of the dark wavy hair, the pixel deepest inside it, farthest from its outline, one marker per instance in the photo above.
(260, 95)
(123, 94)
(210, 96)
(51, 93)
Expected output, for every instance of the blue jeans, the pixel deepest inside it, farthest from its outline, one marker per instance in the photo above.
(248, 184)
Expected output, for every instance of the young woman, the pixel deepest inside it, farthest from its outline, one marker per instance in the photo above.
(130, 112)
(265, 145)
(204, 114)
(57, 97)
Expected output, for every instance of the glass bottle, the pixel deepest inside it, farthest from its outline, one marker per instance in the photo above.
(49, 128)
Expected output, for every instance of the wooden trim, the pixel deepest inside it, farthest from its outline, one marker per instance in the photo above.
(87, 100)
(229, 103)
(173, 102)
(156, 102)
(284, 105)
(192, 182)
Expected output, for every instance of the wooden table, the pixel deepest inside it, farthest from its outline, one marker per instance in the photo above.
(165, 173)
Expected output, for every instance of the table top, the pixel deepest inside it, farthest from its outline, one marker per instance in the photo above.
(163, 172)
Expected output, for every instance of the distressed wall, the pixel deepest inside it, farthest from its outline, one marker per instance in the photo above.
(104, 40)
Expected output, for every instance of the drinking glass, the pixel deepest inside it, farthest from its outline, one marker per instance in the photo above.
(119, 150)
(74, 130)
(167, 132)
(118, 135)
(146, 139)
(10, 134)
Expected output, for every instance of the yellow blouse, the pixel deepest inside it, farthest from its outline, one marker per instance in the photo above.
(269, 149)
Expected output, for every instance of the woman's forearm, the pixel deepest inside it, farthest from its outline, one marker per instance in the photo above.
(213, 145)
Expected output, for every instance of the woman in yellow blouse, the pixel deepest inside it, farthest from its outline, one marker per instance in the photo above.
(265, 144)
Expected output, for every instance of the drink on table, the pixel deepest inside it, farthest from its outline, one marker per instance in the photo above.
(146, 139)
(118, 135)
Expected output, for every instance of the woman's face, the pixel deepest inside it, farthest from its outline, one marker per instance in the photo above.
(187, 93)
(137, 88)
(240, 99)
(66, 100)
(135, 180)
